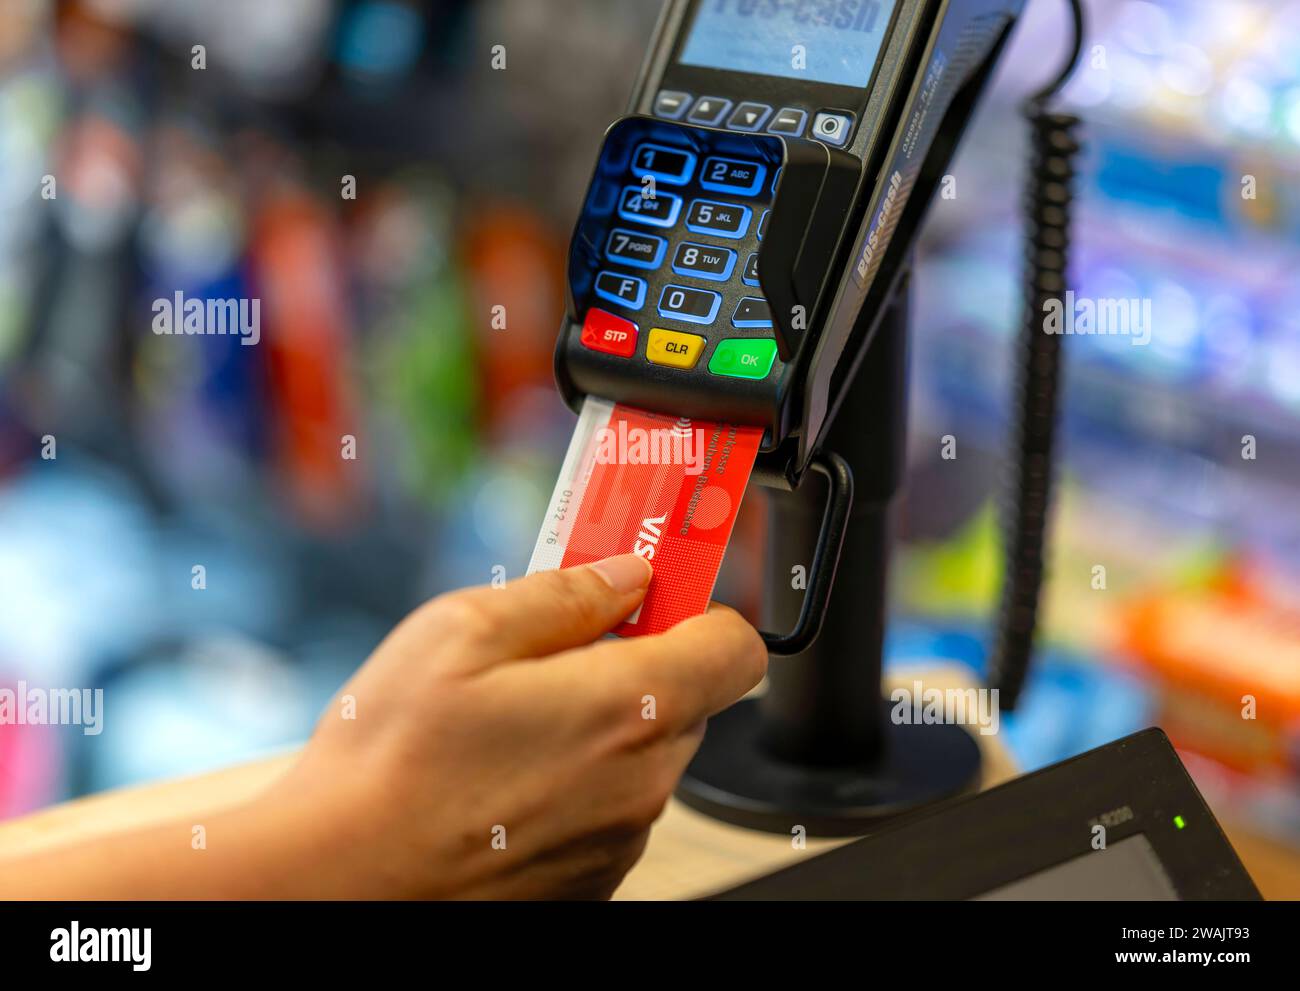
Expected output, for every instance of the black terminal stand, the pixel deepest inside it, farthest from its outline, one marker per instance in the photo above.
(819, 750)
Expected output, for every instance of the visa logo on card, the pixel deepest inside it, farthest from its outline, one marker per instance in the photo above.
(668, 489)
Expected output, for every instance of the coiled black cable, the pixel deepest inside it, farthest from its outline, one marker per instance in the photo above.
(1054, 146)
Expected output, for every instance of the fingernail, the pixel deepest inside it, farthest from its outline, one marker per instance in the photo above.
(625, 573)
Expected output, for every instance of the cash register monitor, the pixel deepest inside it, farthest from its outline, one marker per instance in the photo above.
(1039, 837)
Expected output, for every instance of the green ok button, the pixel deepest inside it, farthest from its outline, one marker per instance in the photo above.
(743, 359)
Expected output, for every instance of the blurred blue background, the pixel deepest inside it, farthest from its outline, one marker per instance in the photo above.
(127, 459)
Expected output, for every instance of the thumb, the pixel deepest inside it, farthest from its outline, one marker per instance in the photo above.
(556, 610)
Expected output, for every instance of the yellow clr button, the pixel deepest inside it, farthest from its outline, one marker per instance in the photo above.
(673, 348)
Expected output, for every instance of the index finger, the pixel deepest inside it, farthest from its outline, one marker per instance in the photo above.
(696, 669)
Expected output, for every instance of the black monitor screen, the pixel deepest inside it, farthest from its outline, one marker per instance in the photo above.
(1125, 871)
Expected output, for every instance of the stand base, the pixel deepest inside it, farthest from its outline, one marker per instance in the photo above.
(734, 779)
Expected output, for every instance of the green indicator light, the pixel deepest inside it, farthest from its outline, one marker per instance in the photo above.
(1178, 821)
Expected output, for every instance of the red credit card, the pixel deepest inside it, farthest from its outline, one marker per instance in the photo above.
(662, 487)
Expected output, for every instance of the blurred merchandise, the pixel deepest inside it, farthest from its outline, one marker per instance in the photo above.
(1229, 659)
(217, 524)
(1175, 554)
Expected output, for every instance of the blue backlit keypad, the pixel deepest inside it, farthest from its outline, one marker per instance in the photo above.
(686, 245)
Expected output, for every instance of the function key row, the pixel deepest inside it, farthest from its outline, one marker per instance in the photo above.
(831, 126)
(750, 358)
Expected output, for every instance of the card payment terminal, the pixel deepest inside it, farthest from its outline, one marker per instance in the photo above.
(746, 222)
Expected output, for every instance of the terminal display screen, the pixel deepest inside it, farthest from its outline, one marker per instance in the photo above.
(826, 41)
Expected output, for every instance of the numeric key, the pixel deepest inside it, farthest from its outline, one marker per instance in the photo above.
(691, 305)
(732, 175)
(730, 220)
(635, 249)
(670, 166)
(660, 210)
(704, 261)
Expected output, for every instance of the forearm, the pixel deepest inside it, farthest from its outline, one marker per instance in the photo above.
(257, 850)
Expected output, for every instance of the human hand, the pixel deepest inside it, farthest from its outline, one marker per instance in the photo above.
(496, 751)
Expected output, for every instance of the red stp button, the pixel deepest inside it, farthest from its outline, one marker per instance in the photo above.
(603, 331)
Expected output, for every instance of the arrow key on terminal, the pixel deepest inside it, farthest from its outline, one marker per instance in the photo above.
(749, 117)
(709, 110)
